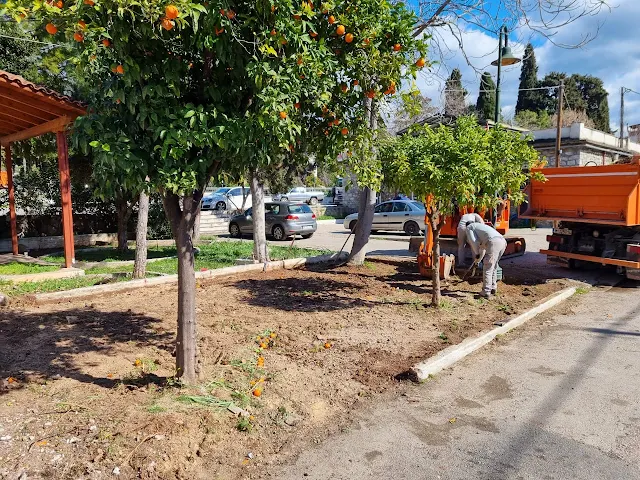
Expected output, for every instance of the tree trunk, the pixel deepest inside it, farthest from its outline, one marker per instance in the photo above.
(363, 227)
(196, 227)
(123, 210)
(367, 200)
(140, 264)
(182, 221)
(260, 250)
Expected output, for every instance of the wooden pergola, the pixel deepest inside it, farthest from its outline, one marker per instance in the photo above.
(28, 111)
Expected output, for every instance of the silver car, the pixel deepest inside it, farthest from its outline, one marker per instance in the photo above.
(282, 220)
(397, 215)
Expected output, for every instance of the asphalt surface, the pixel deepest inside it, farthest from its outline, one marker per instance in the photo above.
(556, 399)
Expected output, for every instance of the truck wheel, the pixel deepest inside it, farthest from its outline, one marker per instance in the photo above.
(313, 201)
(411, 228)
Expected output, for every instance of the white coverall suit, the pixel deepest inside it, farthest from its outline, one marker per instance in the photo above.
(465, 220)
(486, 242)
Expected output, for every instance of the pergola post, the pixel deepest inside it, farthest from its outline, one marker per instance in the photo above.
(65, 193)
(12, 199)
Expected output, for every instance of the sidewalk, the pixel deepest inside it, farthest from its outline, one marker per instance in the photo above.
(555, 400)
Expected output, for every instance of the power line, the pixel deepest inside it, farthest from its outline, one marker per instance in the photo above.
(23, 39)
(517, 90)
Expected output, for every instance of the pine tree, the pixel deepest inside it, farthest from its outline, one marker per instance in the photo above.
(529, 99)
(486, 104)
(454, 104)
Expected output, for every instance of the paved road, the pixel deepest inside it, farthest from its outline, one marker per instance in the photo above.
(556, 400)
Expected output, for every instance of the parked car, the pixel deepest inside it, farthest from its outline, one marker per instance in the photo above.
(227, 198)
(301, 194)
(282, 220)
(397, 215)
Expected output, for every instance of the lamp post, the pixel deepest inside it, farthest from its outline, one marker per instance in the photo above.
(505, 58)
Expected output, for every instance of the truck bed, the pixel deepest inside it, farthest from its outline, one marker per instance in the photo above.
(607, 195)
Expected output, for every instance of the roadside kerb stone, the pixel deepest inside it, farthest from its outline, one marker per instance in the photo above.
(449, 356)
(151, 282)
(39, 277)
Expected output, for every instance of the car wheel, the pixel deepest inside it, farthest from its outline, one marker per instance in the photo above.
(221, 206)
(278, 233)
(234, 230)
(313, 201)
(284, 199)
(411, 228)
(308, 235)
(352, 225)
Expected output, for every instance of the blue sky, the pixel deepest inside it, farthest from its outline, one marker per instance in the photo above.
(614, 56)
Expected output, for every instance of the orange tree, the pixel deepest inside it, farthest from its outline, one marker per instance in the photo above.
(377, 53)
(206, 87)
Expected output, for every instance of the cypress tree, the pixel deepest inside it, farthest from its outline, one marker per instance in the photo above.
(454, 94)
(529, 99)
(486, 104)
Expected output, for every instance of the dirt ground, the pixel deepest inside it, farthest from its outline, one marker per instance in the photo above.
(86, 387)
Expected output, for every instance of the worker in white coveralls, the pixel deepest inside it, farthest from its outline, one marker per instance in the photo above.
(465, 220)
(488, 246)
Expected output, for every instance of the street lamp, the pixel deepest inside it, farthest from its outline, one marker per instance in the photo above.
(505, 58)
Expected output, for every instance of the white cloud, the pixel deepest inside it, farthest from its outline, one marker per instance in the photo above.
(613, 56)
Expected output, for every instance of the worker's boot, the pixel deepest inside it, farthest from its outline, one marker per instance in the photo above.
(493, 291)
(486, 295)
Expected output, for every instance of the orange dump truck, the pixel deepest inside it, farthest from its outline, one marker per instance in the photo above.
(597, 210)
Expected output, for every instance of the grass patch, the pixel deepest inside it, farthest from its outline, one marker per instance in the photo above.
(110, 254)
(18, 268)
(581, 290)
(27, 288)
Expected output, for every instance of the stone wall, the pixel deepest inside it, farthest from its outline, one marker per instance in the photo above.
(578, 156)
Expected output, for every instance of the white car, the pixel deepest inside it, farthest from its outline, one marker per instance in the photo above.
(397, 215)
(301, 194)
(227, 198)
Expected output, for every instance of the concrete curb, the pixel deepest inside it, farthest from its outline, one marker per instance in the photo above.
(449, 356)
(151, 282)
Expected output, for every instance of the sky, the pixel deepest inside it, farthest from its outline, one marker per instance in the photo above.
(613, 56)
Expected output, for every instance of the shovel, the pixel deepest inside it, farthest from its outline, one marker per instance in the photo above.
(470, 272)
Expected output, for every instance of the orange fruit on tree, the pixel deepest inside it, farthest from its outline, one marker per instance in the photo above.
(231, 14)
(348, 38)
(421, 62)
(257, 392)
(297, 17)
(299, 61)
(59, 4)
(313, 34)
(51, 29)
(120, 69)
(356, 82)
(82, 24)
(370, 94)
(171, 12)
(283, 115)
(166, 23)
(273, 33)
(91, 3)
(297, 105)
(106, 42)
(397, 47)
(78, 37)
(331, 20)
(344, 131)
(219, 30)
(283, 41)
(340, 30)
(344, 88)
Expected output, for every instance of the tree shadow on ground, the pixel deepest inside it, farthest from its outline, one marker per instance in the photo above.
(37, 347)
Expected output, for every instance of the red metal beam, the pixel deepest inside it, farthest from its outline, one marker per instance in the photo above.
(12, 199)
(65, 190)
(591, 258)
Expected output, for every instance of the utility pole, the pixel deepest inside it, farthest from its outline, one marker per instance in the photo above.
(622, 90)
(559, 123)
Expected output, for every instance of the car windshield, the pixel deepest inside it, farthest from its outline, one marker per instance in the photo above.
(302, 208)
(221, 191)
(418, 205)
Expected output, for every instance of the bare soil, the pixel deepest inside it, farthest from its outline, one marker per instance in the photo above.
(86, 387)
